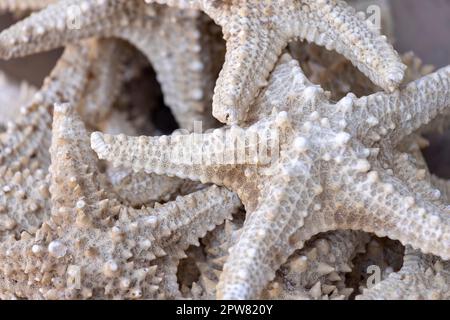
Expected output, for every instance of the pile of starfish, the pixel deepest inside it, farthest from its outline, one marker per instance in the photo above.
(307, 176)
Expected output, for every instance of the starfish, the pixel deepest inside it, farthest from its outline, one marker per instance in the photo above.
(13, 95)
(303, 165)
(257, 31)
(421, 276)
(24, 146)
(315, 272)
(94, 247)
(175, 42)
(385, 14)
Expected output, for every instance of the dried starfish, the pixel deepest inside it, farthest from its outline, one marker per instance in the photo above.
(318, 172)
(257, 31)
(94, 247)
(24, 147)
(171, 39)
(421, 276)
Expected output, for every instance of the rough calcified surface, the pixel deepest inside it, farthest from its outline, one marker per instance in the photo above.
(318, 164)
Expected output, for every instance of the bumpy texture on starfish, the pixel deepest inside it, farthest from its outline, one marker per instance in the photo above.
(92, 246)
(421, 276)
(257, 31)
(23, 5)
(315, 272)
(318, 167)
(176, 42)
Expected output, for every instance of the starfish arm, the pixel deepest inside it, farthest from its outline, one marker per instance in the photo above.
(419, 277)
(24, 5)
(250, 56)
(60, 23)
(325, 260)
(382, 204)
(180, 223)
(107, 75)
(25, 144)
(95, 249)
(395, 116)
(31, 133)
(265, 242)
(335, 25)
(179, 39)
(74, 173)
(193, 156)
(256, 33)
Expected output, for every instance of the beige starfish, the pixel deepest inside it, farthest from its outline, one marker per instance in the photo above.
(421, 276)
(94, 247)
(24, 146)
(175, 42)
(13, 95)
(315, 169)
(257, 31)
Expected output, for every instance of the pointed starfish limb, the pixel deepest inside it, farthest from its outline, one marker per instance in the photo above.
(257, 31)
(189, 156)
(106, 77)
(57, 25)
(166, 36)
(443, 185)
(320, 180)
(394, 116)
(93, 246)
(31, 131)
